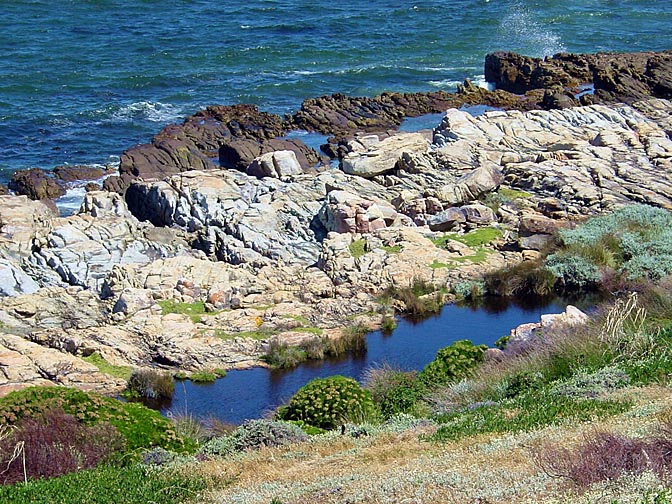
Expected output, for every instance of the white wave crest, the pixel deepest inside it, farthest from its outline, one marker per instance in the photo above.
(445, 83)
(147, 111)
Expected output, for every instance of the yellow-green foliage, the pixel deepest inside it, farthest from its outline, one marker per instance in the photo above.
(358, 248)
(329, 402)
(195, 310)
(475, 238)
(509, 194)
(452, 363)
(97, 360)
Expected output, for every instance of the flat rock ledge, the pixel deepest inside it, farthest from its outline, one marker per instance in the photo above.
(202, 268)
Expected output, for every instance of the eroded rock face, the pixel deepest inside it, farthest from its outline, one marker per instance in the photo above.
(616, 77)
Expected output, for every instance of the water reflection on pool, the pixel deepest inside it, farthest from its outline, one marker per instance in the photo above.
(251, 393)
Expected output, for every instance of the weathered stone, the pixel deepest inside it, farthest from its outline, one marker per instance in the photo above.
(376, 158)
(133, 300)
(37, 184)
(447, 220)
(278, 164)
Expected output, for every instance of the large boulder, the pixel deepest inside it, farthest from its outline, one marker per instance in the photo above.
(239, 154)
(469, 187)
(370, 157)
(37, 184)
(277, 164)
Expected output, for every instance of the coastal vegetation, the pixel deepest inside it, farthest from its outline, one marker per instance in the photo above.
(352, 338)
(552, 385)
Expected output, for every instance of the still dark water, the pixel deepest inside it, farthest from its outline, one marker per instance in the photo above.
(251, 393)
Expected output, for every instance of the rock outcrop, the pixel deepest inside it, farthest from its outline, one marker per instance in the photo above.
(615, 77)
(272, 247)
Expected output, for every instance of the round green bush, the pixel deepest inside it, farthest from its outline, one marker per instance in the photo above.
(452, 363)
(329, 402)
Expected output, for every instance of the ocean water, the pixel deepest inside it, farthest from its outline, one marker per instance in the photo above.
(82, 80)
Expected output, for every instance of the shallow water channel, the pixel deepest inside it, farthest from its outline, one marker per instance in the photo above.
(250, 393)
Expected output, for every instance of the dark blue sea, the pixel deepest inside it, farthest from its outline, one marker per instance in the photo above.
(82, 80)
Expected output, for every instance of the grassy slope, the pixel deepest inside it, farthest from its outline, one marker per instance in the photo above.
(402, 467)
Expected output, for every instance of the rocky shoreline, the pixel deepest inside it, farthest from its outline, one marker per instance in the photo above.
(223, 212)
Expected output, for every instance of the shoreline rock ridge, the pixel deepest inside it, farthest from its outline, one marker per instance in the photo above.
(271, 246)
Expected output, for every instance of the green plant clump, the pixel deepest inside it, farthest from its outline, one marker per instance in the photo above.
(195, 310)
(452, 363)
(357, 248)
(150, 384)
(123, 372)
(122, 485)
(394, 391)
(203, 377)
(141, 426)
(329, 402)
(255, 434)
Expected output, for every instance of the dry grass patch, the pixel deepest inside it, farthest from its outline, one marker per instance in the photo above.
(401, 467)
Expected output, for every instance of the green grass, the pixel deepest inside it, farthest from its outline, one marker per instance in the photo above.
(524, 413)
(480, 256)
(121, 485)
(103, 366)
(195, 310)
(393, 249)
(312, 330)
(358, 248)
(437, 265)
(475, 238)
(509, 194)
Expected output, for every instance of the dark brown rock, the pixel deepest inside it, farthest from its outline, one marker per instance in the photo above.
(78, 172)
(37, 184)
(617, 77)
(194, 145)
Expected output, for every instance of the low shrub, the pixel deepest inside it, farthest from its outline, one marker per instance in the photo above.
(607, 456)
(329, 402)
(150, 384)
(573, 271)
(526, 278)
(419, 298)
(452, 363)
(394, 391)
(54, 443)
(388, 324)
(122, 485)
(281, 355)
(255, 434)
(470, 289)
(140, 426)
